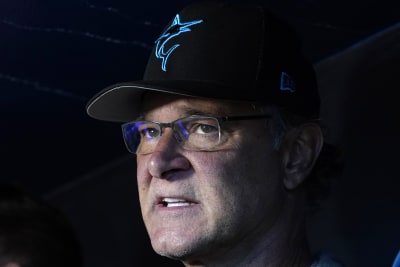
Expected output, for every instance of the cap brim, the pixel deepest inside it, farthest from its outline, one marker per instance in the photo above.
(121, 102)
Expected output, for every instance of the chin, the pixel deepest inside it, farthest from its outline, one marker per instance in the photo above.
(174, 248)
(172, 252)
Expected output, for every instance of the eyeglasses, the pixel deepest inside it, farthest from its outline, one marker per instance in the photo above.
(195, 133)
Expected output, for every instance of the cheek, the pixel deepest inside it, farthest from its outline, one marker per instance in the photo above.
(143, 177)
(241, 179)
(142, 170)
(224, 179)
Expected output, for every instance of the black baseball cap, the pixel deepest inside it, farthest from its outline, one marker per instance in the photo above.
(221, 50)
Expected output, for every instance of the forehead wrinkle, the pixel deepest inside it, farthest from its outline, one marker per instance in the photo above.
(182, 110)
(187, 106)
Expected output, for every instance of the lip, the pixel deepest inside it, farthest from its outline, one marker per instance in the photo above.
(175, 202)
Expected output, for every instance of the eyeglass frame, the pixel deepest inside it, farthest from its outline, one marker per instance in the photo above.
(163, 125)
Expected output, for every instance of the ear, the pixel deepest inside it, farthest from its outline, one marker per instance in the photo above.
(300, 151)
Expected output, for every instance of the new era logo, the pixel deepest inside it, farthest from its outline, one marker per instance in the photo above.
(287, 83)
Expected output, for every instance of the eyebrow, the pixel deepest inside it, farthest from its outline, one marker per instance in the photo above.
(187, 111)
(191, 111)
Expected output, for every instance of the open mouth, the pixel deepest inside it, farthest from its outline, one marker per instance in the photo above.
(169, 202)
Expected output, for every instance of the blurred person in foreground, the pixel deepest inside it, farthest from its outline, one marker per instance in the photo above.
(33, 233)
(229, 144)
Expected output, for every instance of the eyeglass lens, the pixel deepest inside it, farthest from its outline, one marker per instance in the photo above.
(192, 133)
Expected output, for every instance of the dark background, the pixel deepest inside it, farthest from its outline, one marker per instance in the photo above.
(54, 55)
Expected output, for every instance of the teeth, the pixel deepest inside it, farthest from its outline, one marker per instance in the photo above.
(178, 204)
(174, 202)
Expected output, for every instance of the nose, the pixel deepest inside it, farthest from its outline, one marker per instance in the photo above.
(167, 158)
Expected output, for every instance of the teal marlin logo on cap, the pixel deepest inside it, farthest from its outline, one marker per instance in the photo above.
(177, 27)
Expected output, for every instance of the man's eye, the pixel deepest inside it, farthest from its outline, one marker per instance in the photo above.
(204, 128)
(149, 133)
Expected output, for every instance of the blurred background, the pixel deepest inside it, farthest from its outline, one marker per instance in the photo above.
(55, 55)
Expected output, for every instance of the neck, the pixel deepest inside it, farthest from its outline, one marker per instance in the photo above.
(287, 248)
(285, 245)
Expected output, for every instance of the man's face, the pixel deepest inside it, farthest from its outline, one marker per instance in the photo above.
(220, 201)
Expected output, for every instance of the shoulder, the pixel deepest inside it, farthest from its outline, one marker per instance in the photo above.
(326, 260)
